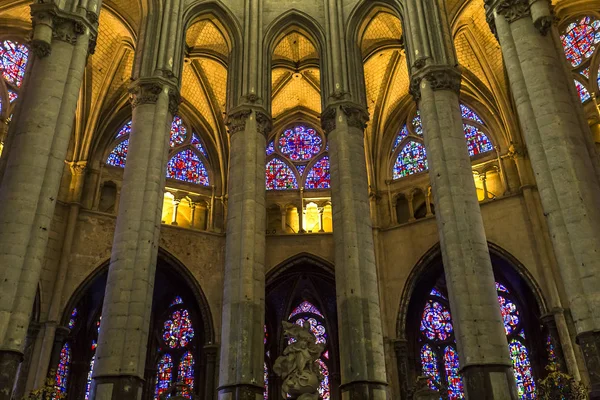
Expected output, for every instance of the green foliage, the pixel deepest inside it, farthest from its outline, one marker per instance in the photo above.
(47, 392)
(560, 386)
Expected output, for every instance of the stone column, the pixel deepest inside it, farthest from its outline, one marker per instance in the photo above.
(242, 349)
(209, 377)
(361, 340)
(403, 366)
(121, 354)
(562, 157)
(33, 166)
(435, 85)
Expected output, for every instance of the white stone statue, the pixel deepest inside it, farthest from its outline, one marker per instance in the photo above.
(297, 366)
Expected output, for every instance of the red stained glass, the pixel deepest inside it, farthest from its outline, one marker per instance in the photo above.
(510, 314)
(305, 307)
(164, 375)
(429, 365)
(315, 327)
(279, 176)
(583, 93)
(178, 331)
(73, 318)
(88, 387)
(318, 177)
(451, 365)
(477, 141)
(125, 130)
(522, 370)
(178, 132)
(12, 96)
(197, 143)
(186, 166)
(467, 113)
(300, 143)
(436, 323)
(266, 377)
(401, 136)
(62, 373)
(118, 156)
(270, 148)
(580, 39)
(586, 72)
(186, 372)
(324, 386)
(411, 160)
(13, 60)
(552, 357)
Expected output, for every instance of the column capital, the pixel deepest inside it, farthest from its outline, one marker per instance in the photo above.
(440, 77)
(51, 22)
(77, 167)
(237, 117)
(146, 91)
(356, 115)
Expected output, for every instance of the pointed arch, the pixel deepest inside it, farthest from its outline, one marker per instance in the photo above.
(280, 175)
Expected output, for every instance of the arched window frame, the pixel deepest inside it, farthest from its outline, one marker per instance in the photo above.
(411, 131)
(590, 83)
(291, 166)
(300, 168)
(6, 105)
(187, 144)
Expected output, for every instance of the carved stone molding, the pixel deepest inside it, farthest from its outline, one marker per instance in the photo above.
(236, 120)
(439, 78)
(513, 10)
(356, 116)
(147, 90)
(174, 101)
(263, 123)
(40, 49)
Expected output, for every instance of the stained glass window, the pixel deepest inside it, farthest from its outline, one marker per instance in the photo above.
(501, 288)
(178, 132)
(279, 176)
(318, 177)
(436, 292)
(301, 169)
(12, 96)
(315, 327)
(266, 376)
(164, 375)
(580, 39)
(300, 143)
(125, 130)
(186, 371)
(467, 113)
(73, 318)
(598, 79)
(552, 357)
(455, 384)
(417, 124)
(324, 386)
(436, 322)
(178, 330)
(13, 60)
(198, 145)
(522, 369)
(411, 160)
(401, 136)
(477, 141)
(88, 386)
(118, 156)
(305, 307)
(510, 314)
(177, 300)
(270, 148)
(430, 366)
(62, 372)
(186, 166)
(583, 93)
(586, 72)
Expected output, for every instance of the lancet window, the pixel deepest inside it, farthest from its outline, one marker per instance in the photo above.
(408, 151)
(581, 40)
(13, 62)
(188, 157)
(439, 355)
(297, 157)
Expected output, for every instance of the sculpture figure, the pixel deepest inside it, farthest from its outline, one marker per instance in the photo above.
(297, 366)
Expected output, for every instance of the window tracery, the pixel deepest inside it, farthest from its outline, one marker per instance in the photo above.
(187, 157)
(408, 151)
(439, 356)
(293, 152)
(13, 63)
(581, 40)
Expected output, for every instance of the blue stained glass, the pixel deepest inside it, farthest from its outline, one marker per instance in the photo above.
(318, 177)
(118, 156)
(501, 288)
(411, 160)
(178, 331)
(451, 365)
(436, 292)
(477, 141)
(510, 314)
(429, 365)
(266, 377)
(403, 134)
(178, 132)
(579, 40)
(186, 166)
(62, 372)
(301, 169)
(300, 143)
(186, 372)
(467, 113)
(270, 148)
(125, 130)
(324, 386)
(304, 307)
(436, 323)
(164, 375)
(88, 386)
(522, 370)
(598, 79)
(198, 145)
(12, 96)
(177, 300)
(13, 60)
(586, 72)
(417, 124)
(584, 94)
(279, 176)
(73, 318)
(552, 357)
(315, 327)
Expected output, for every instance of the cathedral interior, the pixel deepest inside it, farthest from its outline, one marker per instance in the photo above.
(416, 181)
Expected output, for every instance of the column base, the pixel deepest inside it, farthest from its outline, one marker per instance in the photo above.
(243, 391)
(123, 387)
(9, 365)
(363, 390)
(590, 347)
(489, 382)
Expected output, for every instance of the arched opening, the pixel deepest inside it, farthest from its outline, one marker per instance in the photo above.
(180, 328)
(302, 289)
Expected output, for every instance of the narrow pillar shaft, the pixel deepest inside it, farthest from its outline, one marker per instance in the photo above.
(123, 338)
(32, 169)
(362, 363)
(557, 140)
(480, 336)
(242, 349)
(209, 376)
(283, 220)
